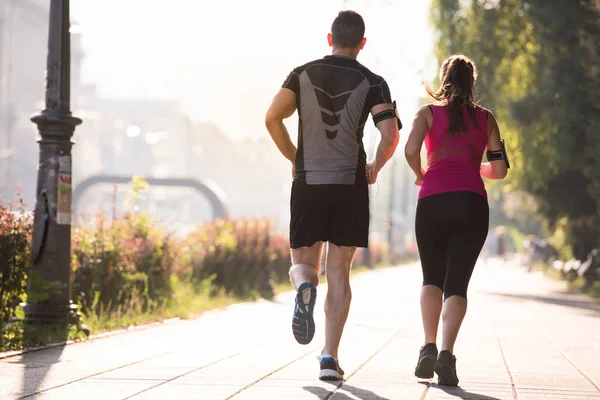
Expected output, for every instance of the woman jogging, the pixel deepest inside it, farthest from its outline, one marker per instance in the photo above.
(452, 215)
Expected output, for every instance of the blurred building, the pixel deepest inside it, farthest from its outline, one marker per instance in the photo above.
(127, 137)
(254, 176)
(23, 42)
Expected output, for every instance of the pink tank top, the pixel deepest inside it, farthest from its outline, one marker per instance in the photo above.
(453, 161)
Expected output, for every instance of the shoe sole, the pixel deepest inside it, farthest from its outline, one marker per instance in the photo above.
(425, 368)
(446, 376)
(303, 325)
(330, 375)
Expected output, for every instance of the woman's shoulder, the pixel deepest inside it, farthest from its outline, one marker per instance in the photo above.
(430, 108)
(483, 110)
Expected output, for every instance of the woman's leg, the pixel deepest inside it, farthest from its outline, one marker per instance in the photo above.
(431, 241)
(465, 242)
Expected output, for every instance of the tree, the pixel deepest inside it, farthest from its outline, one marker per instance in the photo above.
(539, 72)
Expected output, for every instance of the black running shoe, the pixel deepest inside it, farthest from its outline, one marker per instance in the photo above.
(427, 358)
(303, 324)
(330, 369)
(445, 368)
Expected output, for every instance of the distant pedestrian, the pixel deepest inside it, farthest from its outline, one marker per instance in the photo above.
(501, 242)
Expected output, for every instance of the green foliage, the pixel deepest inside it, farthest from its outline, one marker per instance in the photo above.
(115, 261)
(137, 186)
(538, 71)
(15, 234)
(41, 289)
(241, 256)
(130, 270)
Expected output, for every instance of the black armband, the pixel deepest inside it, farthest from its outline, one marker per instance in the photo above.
(497, 155)
(386, 114)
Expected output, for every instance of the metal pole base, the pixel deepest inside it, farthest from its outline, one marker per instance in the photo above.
(50, 313)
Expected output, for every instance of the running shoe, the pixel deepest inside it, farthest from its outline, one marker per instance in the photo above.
(303, 323)
(330, 369)
(427, 358)
(445, 368)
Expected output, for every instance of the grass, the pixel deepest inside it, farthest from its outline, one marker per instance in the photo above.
(580, 284)
(21, 335)
(187, 302)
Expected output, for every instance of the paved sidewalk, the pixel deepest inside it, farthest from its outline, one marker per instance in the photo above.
(523, 337)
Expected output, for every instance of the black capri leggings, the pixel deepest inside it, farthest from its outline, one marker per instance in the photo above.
(451, 229)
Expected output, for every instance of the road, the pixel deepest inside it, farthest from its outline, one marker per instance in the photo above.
(524, 337)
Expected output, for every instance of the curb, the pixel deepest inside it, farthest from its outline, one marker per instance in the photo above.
(91, 338)
(14, 353)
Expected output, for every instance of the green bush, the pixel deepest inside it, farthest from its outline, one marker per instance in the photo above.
(15, 235)
(117, 261)
(241, 256)
(129, 266)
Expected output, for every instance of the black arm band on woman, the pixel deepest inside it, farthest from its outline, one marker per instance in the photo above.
(497, 155)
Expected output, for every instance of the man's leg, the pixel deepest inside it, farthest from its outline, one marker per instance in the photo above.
(339, 295)
(348, 229)
(304, 275)
(306, 262)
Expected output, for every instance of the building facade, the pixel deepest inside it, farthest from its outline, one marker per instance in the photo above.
(23, 43)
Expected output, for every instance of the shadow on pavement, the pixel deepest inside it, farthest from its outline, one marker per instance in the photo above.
(37, 364)
(459, 392)
(560, 300)
(361, 394)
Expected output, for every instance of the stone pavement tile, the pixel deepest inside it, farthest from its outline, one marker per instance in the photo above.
(579, 349)
(157, 370)
(300, 380)
(539, 328)
(537, 363)
(483, 391)
(133, 379)
(43, 370)
(92, 389)
(535, 325)
(526, 393)
(35, 374)
(388, 375)
(480, 366)
(223, 379)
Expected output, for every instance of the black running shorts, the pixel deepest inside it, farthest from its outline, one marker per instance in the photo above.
(451, 229)
(333, 213)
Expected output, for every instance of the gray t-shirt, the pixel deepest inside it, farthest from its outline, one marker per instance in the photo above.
(334, 96)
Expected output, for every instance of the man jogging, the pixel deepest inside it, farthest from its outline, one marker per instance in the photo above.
(329, 201)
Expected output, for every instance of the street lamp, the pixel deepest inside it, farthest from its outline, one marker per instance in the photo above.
(49, 286)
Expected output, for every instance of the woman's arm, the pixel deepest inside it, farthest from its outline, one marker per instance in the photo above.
(493, 169)
(412, 150)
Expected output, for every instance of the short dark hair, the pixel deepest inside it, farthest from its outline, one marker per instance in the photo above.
(348, 29)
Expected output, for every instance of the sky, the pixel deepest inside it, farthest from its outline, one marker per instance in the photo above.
(225, 60)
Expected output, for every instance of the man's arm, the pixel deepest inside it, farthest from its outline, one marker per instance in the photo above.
(412, 150)
(282, 107)
(390, 137)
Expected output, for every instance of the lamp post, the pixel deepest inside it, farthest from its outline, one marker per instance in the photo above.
(49, 286)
